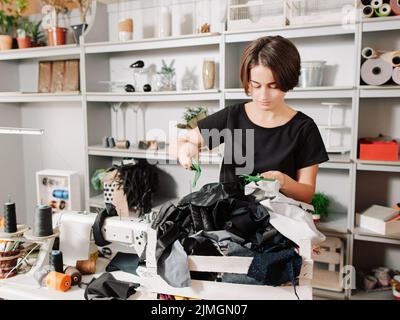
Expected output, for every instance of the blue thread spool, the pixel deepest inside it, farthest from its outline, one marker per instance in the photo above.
(61, 194)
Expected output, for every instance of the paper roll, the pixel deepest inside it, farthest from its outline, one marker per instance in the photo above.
(383, 11)
(376, 4)
(396, 75)
(376, 72)
(395, 5)
(369, 53)
(367, 12)
(392, 57)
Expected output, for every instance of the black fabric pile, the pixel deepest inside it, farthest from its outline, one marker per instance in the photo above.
(223, 206)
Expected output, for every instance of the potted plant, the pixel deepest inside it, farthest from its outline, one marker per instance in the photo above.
(84, 6)
(192, 116)
(19, 23)
(56, 35)
(320, 201)
(37, 35)
(24, 33)
(6, 24)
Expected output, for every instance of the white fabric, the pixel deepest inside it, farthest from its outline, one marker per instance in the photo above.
(287, 215)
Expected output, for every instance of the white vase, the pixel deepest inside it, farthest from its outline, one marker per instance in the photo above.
(164, 23)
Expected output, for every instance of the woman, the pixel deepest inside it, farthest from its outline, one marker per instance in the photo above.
(287, 145)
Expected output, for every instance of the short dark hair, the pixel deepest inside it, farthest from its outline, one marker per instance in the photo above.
(277, 53)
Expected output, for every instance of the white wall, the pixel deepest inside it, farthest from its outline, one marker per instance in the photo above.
(60, 147)
(12, 161)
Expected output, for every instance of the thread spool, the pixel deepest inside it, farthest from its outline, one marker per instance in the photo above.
(395, 5)
(123, 144)
(61, 194)
(10, 217)
(76, 276)
(367, 12)
(40, 276)
(376, 4)
(365, 2)
(62, 205)
(43, 224)
(383, 11)
(86, 267)
(56, 260)
(58, 281)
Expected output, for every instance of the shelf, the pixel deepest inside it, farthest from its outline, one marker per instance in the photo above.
(161, 96)
(205, 158)
(327, 294)
(39, 97)
(379, 295)
(299, 93)
(290, 32)
(379, 91)
(192, 40)
(337, 161)
(381, 24)
(326, 280)
(336, 222)
(41, 52)
(367, 235)
(384, 166)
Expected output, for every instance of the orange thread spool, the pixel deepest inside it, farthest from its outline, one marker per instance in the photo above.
(58, 281)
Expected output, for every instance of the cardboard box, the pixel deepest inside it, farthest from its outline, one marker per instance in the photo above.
(383, 222)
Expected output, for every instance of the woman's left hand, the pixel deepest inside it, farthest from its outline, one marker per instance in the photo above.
(277, 175)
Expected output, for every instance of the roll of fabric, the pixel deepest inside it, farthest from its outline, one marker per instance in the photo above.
(383, 11)
(376, 4)
(376, 72)
(369, 53)
(123, 144)
(396, 75)
(365, 2)
(392, 57)
(395, 5)
(367, 12)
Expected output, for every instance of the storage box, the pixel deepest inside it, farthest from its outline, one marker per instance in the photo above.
(58, 189)
(392, 226)
(256, 14)
(210, 290)
(379, 150)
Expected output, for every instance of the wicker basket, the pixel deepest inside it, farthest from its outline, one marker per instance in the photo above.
(8, 260)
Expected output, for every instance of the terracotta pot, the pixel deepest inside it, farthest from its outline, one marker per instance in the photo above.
(5, 42)
(57, 36)
(24, 43)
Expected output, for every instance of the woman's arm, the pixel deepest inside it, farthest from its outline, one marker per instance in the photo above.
(301, 189)
(186, 148)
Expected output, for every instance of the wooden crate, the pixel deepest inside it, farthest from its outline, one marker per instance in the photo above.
(210, 290)
(332, 255)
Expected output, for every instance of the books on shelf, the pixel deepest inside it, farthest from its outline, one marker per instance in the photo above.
(380, 219)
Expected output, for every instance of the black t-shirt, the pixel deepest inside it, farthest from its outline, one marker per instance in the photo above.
(287, 148)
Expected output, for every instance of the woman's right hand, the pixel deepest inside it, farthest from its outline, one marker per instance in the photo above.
(187, 151)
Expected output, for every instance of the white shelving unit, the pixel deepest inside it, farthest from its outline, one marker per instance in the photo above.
(86, 117)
